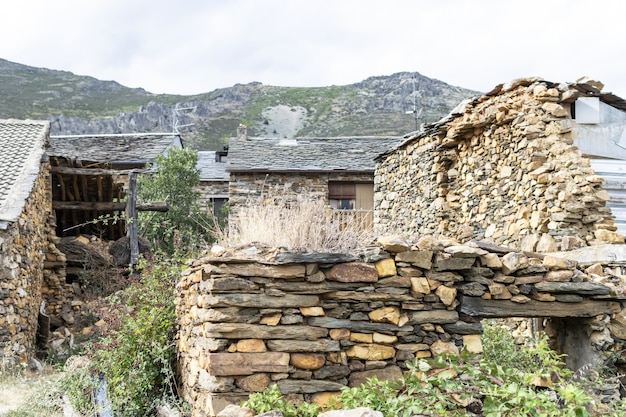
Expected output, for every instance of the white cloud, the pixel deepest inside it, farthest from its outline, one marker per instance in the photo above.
(194, 46)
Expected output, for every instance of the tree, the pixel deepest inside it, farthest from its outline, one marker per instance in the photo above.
(185, 226)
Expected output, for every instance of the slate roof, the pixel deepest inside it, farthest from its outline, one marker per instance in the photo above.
(587, 88)
(133, 148)
(21, 148)
(209, 168)
(348, 154)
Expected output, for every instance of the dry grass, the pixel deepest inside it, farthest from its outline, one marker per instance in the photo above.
(302, 225)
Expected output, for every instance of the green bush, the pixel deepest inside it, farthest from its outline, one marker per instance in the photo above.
(496, 384)
(272, 399)
(137, 359)
(185, 225)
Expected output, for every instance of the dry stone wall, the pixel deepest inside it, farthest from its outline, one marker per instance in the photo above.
(23, 245)
(314, 323)
(501, 167)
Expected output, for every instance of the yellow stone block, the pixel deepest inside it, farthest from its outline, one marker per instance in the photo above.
(447, 295)
(420, 285)
(323, 399)
(339, 334)
(312, 311)
(361, 337)
(271, 320)
(386, 268)
(371, 352)
(251, 345)
(384, 339)
(307, 360)
(472, 343)
(385, 315)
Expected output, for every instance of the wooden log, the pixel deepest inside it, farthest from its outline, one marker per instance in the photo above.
(478, 307)
(107, 206)
(131, 214)
(95, 171)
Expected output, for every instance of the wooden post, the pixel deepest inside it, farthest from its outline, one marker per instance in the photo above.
(131, 218)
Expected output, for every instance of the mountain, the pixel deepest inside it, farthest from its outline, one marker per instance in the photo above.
(79, 104)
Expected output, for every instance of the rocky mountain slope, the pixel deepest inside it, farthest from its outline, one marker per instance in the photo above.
(79, 104)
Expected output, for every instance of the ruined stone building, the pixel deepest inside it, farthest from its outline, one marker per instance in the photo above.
(514, 166)
(53, 188)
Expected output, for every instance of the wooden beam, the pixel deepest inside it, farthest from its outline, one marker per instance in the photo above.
(107, 206)
(62, 186)
(131, 215)
(478, 307)
(99, 184)
(97, 171)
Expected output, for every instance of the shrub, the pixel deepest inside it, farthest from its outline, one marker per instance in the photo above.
(137, 358)
(271, 399)
(185, 225)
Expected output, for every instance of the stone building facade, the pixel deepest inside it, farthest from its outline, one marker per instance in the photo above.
(25, 208)
(213, 186)
(337, 170)
(503, 167)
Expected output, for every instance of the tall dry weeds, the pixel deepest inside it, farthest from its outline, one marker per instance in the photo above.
(302, 225)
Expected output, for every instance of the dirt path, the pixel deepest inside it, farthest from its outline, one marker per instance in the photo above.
(24, 393)
(14, 393)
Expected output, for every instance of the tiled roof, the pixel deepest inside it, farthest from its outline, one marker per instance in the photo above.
(209, 168)
(138, 148)
(21, 148)
(354, 153)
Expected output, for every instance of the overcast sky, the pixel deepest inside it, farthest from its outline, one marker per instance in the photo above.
(197, 46)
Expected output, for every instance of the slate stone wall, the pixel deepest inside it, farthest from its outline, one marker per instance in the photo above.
(208, 189)
(502, 168)
(313, 323)
(246, 187)
(23, 246)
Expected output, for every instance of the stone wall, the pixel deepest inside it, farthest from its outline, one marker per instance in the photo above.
(209, 189)
(246, 187)
(503, 168)
(313, 323)
(23, 245)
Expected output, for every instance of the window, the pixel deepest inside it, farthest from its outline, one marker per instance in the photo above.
(351, 196)
(342, 195)
(216, 203)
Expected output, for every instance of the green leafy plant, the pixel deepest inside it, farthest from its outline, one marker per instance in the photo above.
(137, 358)
(272, 399)
(185, 225)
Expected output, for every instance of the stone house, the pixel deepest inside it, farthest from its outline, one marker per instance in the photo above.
(213, 187)
(514, 166)
(339, 170)
(25, 211)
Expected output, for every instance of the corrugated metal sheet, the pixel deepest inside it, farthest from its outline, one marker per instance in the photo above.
(614, 173)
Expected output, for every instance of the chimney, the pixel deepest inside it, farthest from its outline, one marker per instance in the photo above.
(242, 132)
